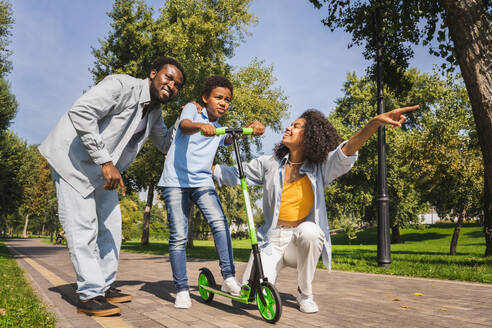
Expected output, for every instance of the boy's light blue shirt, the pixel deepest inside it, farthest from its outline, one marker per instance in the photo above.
(189, 159)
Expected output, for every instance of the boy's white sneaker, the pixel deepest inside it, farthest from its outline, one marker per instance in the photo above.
(183, 300)
(306, 304)
(231, 286)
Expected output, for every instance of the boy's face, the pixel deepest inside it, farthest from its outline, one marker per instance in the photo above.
(217, 102)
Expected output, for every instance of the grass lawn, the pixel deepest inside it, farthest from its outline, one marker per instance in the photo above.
(19, 306)
(424, 253)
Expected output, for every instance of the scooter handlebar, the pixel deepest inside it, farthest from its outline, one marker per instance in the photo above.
(221, 131)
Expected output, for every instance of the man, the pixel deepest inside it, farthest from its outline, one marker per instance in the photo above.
(92, 143)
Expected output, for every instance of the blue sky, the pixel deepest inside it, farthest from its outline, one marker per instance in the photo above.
(52, 41)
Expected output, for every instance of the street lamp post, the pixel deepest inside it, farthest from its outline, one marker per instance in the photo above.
(384, 251)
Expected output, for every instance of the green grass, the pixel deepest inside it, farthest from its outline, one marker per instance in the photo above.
(19, 306)
(424, 253)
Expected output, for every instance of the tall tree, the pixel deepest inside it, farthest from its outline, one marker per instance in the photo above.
(38, 188)
(6, 22)
(12, 153)
(352, 196)
(201, 35)
(447, 158)
(464, 33)
(8, 104)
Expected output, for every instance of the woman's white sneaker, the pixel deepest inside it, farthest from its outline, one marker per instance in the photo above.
(306, 304)
(183, 300)
(231, 286)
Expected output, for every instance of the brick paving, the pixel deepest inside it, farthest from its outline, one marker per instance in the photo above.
(345, 299)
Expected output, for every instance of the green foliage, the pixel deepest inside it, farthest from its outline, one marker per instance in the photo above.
(12, 152)
(349, 223)
(22, 307)
(8, 106)
(132, 208)
(353, 193)
(446, 152)
(6, 22)
(11, 147)
(401, 24)
(433, 160)
(201, 35)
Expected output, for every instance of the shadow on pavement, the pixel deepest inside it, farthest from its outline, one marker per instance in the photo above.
(67, 293)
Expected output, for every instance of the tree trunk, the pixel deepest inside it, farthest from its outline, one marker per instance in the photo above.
(146, 216)
(24, 232)
(42, 230)
(487, 217)
(395, 234)
(189, 243)
(469, 30)
(456, 233)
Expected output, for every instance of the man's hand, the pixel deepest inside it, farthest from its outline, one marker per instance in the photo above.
(208, 130)
(258, 128)
(199, 107)
(113, 177)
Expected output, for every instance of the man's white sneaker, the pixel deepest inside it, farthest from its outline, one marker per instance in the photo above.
(183, 300)
(306, 304)
(231, 286)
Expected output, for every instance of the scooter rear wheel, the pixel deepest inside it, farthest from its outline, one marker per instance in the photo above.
(206, 278)
(271, 309)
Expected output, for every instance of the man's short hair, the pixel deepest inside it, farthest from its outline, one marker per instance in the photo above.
(163, 60)
(216, 81)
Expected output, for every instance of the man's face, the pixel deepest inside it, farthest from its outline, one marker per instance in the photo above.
(165, 83)
(217, 102)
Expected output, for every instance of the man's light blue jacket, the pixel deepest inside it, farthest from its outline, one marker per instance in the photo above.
(97, 129)
(269, 171)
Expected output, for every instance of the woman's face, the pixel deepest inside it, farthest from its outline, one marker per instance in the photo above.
(294, 134)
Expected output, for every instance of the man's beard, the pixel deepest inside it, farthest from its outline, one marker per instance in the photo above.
(154, 94)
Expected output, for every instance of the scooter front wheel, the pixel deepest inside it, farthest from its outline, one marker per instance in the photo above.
(271, 307)
(206, 278)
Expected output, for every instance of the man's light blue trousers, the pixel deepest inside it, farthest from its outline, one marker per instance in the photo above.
(92, 227)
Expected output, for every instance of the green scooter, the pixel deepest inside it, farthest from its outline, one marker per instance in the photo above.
(258, 289)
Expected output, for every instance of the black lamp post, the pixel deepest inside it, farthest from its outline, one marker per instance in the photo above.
(382, 199)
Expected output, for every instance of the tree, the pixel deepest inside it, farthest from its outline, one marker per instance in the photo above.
(446, 154)
(38, 189)
(352, 195)
(201, 35)
(8, 104)
(464, 38)
(6, 22)
(12, 151)
(434, 159)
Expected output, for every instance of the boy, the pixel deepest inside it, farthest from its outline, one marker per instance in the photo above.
(187, 177)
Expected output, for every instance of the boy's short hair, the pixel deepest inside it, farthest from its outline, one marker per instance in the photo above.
(214, 82)
(163, 60)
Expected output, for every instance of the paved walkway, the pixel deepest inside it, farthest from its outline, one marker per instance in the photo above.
(345, 299)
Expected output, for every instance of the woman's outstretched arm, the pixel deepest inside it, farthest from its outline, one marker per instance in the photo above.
(395, 118)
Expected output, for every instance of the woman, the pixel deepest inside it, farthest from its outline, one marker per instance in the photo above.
(296, 232)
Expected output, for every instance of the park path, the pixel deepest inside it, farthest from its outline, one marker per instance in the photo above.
(345, 299)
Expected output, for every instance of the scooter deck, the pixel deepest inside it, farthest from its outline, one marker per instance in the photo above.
(221, 293)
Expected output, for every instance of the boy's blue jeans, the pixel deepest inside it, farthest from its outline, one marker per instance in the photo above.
(178, 201)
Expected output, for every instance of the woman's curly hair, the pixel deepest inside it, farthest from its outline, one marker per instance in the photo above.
(320, 137)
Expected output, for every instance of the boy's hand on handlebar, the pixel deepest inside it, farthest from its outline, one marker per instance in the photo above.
(258, 128)
(208, 130)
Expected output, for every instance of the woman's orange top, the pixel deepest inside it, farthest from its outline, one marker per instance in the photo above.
(296, 202)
